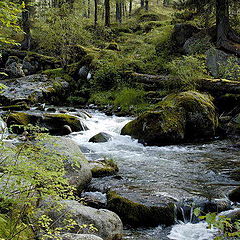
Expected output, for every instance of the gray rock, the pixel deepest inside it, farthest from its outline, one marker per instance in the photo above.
(72, 236)
(221, 64)
(15, 70)
(181, 33)
(108, 224)
(83, 72)
(197, 45)
(75, 163)
(100, 137)
(95, 199)
(28, 68)
(34, 88)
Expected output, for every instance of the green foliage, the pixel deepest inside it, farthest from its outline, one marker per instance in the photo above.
(28, 174)
(57, 29)
(9, 15)
(129, 98)
(226, 227)
(108, 75)
(230, 70)
(186, 71)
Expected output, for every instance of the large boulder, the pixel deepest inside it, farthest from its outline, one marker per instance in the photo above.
(107, 223)
(75, 163)
(14, 68)
(178, 118)
(56, 124)
(138, 214)
(33, 89)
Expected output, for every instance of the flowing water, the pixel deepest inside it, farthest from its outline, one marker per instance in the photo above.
(150, 173)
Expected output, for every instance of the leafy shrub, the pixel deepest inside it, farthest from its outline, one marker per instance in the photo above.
(230, 70)
(186, 71)
(102, 98)
(129, 97)
(57, 29)
(227, 229)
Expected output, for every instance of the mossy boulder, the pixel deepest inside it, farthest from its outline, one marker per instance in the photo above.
(178, 118)
(137, 214)
(53, 123)
(102, 168)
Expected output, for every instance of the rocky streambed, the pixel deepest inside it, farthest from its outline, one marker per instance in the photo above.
(155, 177)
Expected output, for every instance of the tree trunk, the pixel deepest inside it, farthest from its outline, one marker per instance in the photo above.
(117, 11)
(142, 3)
(26, 43)
(226, 37)
(89, 9)
(95, 12)
(107, 13)
(222, 21)
(130, 7)
(146, 5)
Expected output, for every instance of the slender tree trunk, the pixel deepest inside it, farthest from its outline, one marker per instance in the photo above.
(146, 5)
(130, 7)
(95, 12)
(222, 20)
(120, 11)
(142, 3)
(89, 9)
(26, 44)
(117, 11)
(107, 13)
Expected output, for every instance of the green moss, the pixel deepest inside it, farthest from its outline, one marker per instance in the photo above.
(64, 119)
(137, 214)
(107, 167)
(16, 107)
(19, 118)
(57, 74)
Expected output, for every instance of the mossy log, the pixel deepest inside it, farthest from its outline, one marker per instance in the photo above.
(218, 87)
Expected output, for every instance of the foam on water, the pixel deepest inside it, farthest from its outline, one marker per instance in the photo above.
(190, 231)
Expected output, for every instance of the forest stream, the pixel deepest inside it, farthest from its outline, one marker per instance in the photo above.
(168, 173)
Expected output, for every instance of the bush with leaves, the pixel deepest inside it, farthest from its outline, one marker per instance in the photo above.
(9, 16)
(227, 229)
(29, 173)
(186, 71)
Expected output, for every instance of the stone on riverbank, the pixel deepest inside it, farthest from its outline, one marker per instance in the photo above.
(33, 89)
(137, 214)
(178, 118)
(53, 123)
(107, 223)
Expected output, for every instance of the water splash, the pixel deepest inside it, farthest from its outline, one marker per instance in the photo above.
(190, 231)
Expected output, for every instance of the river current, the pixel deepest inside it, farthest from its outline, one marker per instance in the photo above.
(151, 173)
